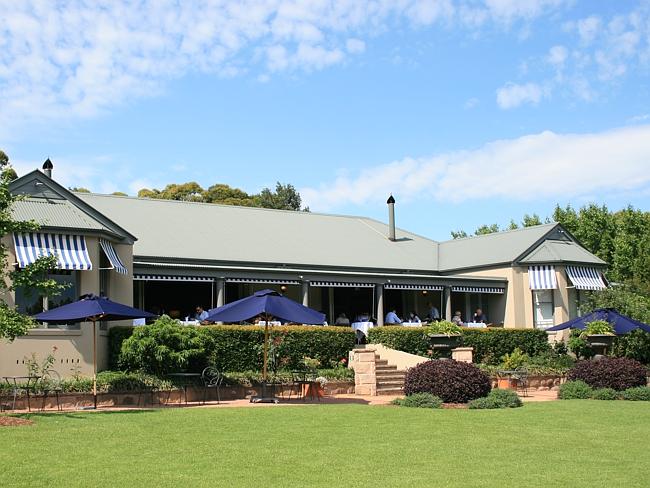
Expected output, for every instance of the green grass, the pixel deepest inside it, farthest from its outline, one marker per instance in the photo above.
(577, 443)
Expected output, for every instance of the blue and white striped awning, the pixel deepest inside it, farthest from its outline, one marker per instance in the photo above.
(70, 250)
(478, 289)
(412, 286)
(542, 277)
(262, 281)
(584, 278)
(149, 277)
(112, 256)
(341, 284)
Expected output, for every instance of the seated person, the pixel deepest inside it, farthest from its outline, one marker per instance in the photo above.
(434, 313)
(479, 316)
(413, 318)
(363, 317)
(392, 318)
(342, 319)
(200, 314)
(457, 318)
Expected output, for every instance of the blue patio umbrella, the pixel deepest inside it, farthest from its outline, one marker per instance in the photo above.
(91, 308)
(620, 323)
(271, 304)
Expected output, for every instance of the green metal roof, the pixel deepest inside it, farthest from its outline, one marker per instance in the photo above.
(552, 251)
(199, 231)
(60, 214)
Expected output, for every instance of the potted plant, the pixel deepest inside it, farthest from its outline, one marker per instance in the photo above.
(511, 365)
(444, 336)
(599, 334)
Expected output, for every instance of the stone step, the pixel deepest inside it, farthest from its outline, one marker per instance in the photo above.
(385, 367)
(393, 383)
(389, 391)
(392, 377)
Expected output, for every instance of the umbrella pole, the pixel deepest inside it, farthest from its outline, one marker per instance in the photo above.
(266, 347)
(94, 363)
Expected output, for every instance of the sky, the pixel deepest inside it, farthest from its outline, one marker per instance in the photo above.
(469, 112)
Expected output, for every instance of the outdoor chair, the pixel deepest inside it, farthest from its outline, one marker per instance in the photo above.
(211, 378)
(521, 377)
(299, 381)
(50, 384)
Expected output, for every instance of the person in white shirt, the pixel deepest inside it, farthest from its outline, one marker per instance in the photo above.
(413, 318)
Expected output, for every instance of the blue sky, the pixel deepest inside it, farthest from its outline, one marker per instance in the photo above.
(468, 111)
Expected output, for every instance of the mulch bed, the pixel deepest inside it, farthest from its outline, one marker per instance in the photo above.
(6, 421)
(454, 405)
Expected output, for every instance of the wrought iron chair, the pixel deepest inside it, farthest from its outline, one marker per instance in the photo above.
(211, 378)
(51, 383)
(521, 377)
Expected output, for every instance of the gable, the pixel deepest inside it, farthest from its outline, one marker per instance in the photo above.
(53, 206)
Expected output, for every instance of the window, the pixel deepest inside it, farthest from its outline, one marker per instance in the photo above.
(543, 308)
(31, 304)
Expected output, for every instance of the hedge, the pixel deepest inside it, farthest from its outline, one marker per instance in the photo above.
(116, 336)
(489, 344)
(166, 346)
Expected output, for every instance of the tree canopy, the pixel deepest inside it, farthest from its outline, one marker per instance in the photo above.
(284, 197)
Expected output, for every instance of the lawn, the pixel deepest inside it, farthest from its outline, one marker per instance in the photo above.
(580, 443)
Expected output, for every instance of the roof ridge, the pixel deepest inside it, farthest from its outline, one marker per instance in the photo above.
(211, 204)
(508, 231)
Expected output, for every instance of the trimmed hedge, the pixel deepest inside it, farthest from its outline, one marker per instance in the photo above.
(490, 345)
(452, 381)
(419, 400)
(575, 390)
(616, 373)
(638, 394)
(497, 399)
(605, 394)
(116, 336)
(166, 346)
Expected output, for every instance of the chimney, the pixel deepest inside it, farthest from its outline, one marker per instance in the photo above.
(47, 168)
(391, 217)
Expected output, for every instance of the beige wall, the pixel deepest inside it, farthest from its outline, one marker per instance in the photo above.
(519, 299)
(72, 349)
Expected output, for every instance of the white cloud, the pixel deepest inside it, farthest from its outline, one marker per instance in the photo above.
(588, 29)
(471, 103)
(557, 56)
(512, 95)
(537, 166)
(74, 58)
(355, 46)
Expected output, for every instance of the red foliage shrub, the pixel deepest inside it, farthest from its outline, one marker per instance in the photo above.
(452, 381)
(616, 373)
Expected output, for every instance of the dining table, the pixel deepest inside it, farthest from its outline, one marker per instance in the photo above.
(186, 380)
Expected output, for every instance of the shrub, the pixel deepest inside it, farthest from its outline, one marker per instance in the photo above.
(575, 390)
(579, 346)
(497, 399)
(419, 400)
(515, 360)
(635, 345)
(167, 346)
(616, 373)
(601, 327)
(116, 336)
(452, 381)
(639, 394)
(489, 344)
(605, 394)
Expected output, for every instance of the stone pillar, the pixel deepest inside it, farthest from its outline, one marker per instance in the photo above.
(379, 300)
(363, 364)
(330, 299)
(447, 301)
(305, 293)
(221, 292)
(462, 354)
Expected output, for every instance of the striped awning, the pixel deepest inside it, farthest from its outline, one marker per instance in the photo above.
(148, 277)
(71, 250)
(542, 277)
(412, 286)
(584, 278)
(341, 284)
(112, 256)
(262, 280)
(478, 289)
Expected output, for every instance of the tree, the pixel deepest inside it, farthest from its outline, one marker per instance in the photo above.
(226, 195)
(13, 323)
(486, 229)
(79, 189)
(458, 234)
(119, 194)
(285, 197)
(530, 220)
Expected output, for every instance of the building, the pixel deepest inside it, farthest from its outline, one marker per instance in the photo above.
(169, 256)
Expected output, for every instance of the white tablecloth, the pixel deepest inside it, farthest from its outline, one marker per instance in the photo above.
(476, 325)
(362, 326)
(412, 324)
